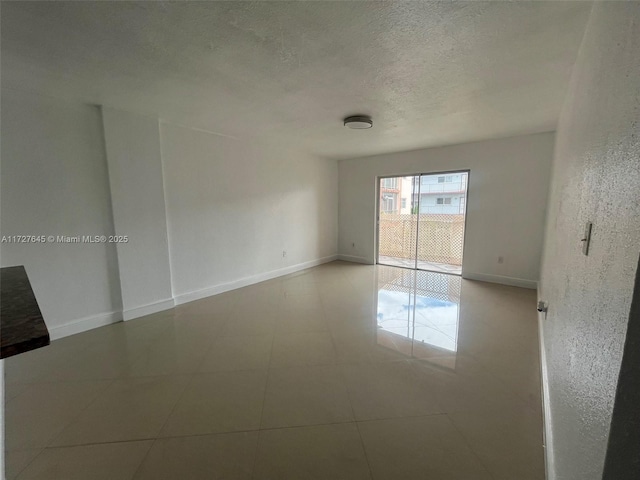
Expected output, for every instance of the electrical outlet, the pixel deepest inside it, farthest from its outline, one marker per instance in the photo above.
(353, 245)
(500, 259)
(284, 253)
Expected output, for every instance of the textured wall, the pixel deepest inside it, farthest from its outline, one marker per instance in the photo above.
(595, 177)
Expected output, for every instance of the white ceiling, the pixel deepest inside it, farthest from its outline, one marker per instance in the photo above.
(430, 73)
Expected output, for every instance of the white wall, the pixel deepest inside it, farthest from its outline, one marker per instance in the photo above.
(137, 193)
(596, 177)
(233, 208)
(507, 199)
(54, 182)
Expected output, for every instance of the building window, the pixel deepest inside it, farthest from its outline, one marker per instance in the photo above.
(404, 203)
(448, 179)
(440, 179)
(390, 182)
(439, 201)
(388, 203)
(447, 201)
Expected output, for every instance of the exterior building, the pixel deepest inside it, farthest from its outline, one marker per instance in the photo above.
(395, 195)
(435, 194)
(390, 194)
(445, 194)
(405, 195)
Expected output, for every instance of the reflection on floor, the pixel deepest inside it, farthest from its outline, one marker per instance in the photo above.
(418, 314)
(422, 265)
(342, 371)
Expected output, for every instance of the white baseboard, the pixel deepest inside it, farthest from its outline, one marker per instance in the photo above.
(148, 309)
(355, 259)
(546, 404)
(246, 281)
(511, 281)
(100, 320)
(95, 321)
(84, 324)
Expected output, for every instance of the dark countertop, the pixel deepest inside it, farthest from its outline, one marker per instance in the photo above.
(22, 327)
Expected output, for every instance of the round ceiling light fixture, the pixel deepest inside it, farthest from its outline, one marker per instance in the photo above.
(358, 122)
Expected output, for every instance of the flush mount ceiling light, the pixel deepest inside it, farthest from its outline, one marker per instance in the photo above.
(358, 122)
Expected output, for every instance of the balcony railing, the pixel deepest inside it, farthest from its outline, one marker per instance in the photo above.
(439, 239)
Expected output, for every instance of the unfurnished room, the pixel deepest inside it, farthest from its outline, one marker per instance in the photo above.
(332, 240)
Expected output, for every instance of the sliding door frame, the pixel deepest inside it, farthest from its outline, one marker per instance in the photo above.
(377, 218)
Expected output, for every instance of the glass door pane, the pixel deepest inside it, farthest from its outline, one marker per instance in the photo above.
(397, 220)
(442, 209)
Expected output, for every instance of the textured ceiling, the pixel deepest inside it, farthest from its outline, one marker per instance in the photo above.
(430, 73)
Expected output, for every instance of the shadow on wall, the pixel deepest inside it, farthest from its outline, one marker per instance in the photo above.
(623, 451)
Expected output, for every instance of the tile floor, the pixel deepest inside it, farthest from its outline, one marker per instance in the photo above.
(342, 371)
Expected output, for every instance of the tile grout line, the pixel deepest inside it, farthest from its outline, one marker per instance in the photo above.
(264, 396)
(333, 342)
(471, 449)
(175, 405)
(353, 412)
(157, 436)
(345, 385)
(53, 437)
(232, 432)
(364, 449)
(143, 459)
(28, 463)
(505, 385)
(76, 417)
(208, 349)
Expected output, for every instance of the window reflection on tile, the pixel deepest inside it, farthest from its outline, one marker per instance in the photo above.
(418, 314)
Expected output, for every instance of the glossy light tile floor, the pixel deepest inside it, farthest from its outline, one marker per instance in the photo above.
(343, 371)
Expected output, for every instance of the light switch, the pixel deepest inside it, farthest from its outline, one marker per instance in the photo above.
(586, 238)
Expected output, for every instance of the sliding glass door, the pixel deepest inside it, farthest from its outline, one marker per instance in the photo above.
(421, 221)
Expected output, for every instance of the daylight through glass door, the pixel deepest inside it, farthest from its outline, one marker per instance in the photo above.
(421, 221)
